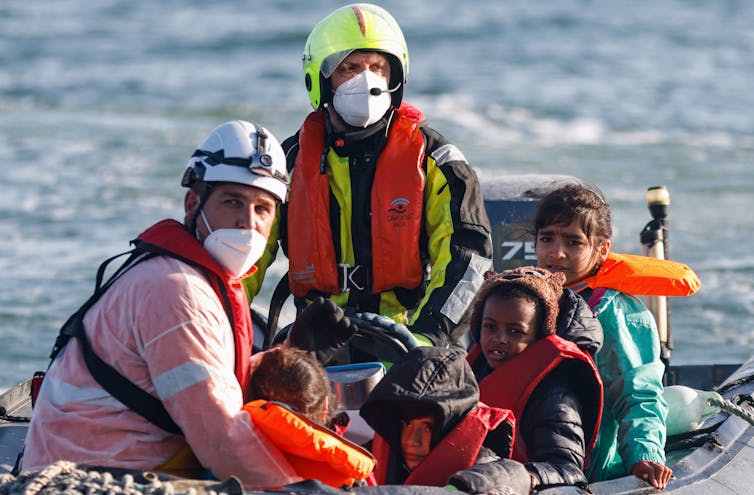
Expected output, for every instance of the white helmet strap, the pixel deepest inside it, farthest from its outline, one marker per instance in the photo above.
(263, 165)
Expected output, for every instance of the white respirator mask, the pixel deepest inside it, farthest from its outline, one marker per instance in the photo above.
(235, 249)
(363, 99)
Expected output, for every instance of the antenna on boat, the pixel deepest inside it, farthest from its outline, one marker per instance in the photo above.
(654, 240)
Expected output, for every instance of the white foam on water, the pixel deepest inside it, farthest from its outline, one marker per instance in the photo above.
(101, 111)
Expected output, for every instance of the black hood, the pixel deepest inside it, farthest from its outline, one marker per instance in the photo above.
(427, 377)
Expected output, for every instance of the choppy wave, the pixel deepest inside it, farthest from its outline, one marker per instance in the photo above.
(510, 125)
(103, 102)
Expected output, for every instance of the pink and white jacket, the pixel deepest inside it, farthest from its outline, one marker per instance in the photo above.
(162, 326)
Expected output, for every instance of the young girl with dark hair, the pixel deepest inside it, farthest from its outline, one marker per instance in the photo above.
(290, 404)
(573, 237)
(292, 376)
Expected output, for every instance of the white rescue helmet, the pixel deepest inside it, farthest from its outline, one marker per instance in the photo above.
(240, 152)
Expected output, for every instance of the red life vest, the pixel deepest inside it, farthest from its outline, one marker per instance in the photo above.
(313, 451)
(170, 238)
(457, 450)
(396, 205)
(642, 276)
(511, 384)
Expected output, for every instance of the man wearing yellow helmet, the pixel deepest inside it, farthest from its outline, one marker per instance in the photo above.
(385, 215)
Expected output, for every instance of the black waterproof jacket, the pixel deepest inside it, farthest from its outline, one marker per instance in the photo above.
(442, 380)
(577, 323)
(453, 202)
(552, 420)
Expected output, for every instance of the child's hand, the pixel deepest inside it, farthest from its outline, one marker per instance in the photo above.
(654, 473)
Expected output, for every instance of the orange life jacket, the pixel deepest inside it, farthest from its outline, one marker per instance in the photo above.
(396, 205)
(457, 450)
(511, 384)
(642, 276)
(313, 451)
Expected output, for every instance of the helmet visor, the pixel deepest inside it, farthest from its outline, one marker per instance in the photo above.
(332, 62)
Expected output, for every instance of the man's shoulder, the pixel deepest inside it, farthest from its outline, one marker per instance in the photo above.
(166, 276)
(440, 149)
(437, 146)
(158, 293)
(433, 137)
(290, 142)
(431, 134)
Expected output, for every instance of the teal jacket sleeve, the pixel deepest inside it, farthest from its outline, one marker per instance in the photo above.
(631, 370)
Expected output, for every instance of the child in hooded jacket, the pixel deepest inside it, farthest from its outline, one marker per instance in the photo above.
(550, 384)
(431, 429)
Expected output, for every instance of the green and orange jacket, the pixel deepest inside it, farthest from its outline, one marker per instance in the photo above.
(398, 199)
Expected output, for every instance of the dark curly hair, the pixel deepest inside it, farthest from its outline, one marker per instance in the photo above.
(294, 377)
(579, 202)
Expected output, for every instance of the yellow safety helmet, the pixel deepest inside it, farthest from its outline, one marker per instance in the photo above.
(359, 26)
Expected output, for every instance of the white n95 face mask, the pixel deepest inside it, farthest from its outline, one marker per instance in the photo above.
(363, 99)
(235, 249)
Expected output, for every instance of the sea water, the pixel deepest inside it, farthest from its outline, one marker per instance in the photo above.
(102, 103)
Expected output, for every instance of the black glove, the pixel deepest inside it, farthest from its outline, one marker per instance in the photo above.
(321, 328)
(501, 477)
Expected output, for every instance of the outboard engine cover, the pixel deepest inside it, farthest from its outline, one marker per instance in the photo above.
(511, 203)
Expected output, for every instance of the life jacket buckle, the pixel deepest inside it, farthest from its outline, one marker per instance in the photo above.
(352, 277)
